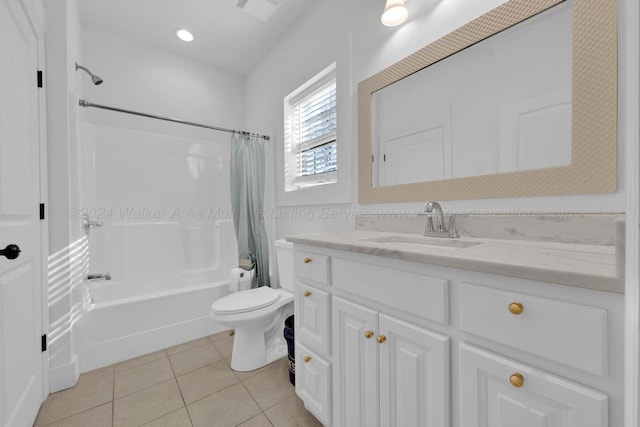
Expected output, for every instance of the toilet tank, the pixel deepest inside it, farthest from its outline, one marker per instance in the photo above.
(284, 257)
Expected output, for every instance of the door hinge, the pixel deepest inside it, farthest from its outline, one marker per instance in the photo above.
(41, 210)
(39, 78)
(384, 158)
(43, 342)
(372, 158)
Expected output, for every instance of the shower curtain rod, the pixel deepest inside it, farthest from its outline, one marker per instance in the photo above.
(84, 103)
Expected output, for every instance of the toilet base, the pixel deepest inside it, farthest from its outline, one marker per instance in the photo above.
(250, 352)
(259, 334)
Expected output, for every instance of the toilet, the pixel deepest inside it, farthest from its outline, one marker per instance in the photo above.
(258, 316)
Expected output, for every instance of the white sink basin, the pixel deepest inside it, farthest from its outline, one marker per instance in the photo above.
(442, 244)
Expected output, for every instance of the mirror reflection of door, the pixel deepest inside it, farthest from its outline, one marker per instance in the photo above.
(418, 157)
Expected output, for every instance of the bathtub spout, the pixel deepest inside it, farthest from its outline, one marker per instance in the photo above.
(105, 276)
(87, 224)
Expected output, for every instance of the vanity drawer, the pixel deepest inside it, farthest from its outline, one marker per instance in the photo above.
(311, 266)
(313, 317)
(497, 391)
(414, 293)
(563, 332)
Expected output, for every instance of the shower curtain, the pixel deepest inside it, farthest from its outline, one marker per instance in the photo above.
(247, 204)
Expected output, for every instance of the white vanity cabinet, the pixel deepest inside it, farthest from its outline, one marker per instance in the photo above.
(312, 328)
(391, 343)
(387, 372)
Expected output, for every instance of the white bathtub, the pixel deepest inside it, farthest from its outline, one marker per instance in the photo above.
(147, 309)
(123, 327)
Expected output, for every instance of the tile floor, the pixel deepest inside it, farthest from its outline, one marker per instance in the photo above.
(187, 385)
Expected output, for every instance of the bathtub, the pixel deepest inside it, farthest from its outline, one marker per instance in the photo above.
(117, 326)
(152, 306)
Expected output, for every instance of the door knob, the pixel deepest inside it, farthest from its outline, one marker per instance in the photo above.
(11, 251)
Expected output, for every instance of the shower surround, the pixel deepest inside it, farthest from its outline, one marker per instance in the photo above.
(167, 240)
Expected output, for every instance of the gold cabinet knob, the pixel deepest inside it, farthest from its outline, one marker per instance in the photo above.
(368, 334)
(516, 308)
(307, 359)
(381, 339)
(307, 293)
(307, 260)
(516, 380)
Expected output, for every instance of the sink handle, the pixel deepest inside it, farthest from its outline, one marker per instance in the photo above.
(453, 232)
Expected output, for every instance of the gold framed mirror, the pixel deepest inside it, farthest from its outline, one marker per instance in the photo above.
(593, 165)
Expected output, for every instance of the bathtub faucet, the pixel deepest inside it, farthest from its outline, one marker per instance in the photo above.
(87, 224)
(105, 276)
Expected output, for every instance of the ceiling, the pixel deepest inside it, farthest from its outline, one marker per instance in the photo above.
(226, 36)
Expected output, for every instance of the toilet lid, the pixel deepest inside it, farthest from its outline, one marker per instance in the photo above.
(251, 299)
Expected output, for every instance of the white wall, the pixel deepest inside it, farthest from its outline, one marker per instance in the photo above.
(62, 48)
(142, 78)
(362, 46)
(67, 245)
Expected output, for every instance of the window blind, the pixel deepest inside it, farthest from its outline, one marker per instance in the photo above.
(317, 147)
(310, 138)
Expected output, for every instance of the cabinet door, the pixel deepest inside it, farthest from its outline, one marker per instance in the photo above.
(313, 383)
(414, 375)
(488, 397)
(313, 321)
(355, 362)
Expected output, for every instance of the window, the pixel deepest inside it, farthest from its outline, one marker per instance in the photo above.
(310, 144)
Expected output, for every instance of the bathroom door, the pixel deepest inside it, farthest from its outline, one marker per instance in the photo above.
(21, 278)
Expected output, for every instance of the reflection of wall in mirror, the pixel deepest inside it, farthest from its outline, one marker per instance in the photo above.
(501, 105)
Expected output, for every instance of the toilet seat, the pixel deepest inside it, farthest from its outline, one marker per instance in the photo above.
(249, 300)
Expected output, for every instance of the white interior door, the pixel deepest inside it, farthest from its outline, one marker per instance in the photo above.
(21, 288)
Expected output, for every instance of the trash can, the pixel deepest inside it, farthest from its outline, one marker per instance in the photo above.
(288, 335)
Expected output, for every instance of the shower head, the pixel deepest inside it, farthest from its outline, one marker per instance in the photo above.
(95, 79)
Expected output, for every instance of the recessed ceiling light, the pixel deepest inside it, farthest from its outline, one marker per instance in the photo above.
(184, 35)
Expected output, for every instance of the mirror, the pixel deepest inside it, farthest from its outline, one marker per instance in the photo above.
(501, 105)
(519, 102)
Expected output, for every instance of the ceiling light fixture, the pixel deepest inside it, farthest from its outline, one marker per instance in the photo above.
(395, 13)
(184, 35)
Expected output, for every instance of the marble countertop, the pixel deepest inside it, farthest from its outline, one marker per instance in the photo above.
(585, 266)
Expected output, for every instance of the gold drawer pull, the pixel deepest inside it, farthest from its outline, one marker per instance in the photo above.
(381, 339)
(307, 293)
(307, 359)
(516, 380)
(307, 260)
(516, 308)
(368, 334)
